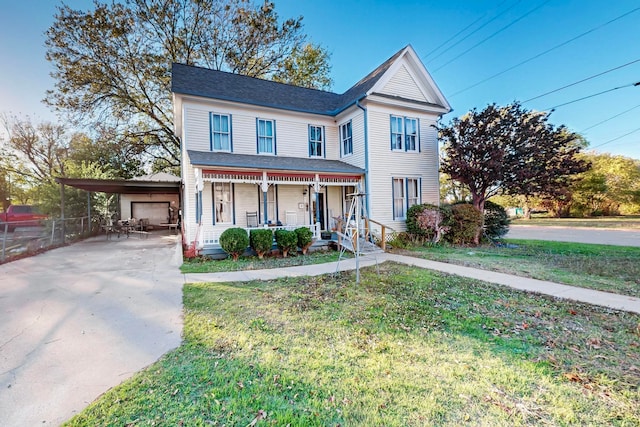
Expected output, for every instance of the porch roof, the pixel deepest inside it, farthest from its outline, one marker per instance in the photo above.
(248, 161)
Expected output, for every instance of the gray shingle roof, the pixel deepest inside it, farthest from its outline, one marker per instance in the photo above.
(230, 160)
(197, 81)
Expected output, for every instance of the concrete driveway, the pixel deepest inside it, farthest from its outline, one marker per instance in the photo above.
(604, 236)
(78, 320)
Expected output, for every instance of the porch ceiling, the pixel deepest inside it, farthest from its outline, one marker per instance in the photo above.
(248, 161)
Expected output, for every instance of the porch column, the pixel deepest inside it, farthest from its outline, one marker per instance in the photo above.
(316, 189)
(264, 186)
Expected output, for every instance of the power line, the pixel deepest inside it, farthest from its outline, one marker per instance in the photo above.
(591, 96)
(583, 80)
(494, 34)
(545, 52)
(610, 118)
(615, 139)
(471, 33)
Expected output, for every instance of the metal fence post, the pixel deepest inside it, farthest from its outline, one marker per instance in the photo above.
(4, 239)
(53, 230)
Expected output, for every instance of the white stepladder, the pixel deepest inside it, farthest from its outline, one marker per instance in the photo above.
(351, 239)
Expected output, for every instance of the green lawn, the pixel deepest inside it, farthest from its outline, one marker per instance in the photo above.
(408, 347)
(629, 221)
(602, 267)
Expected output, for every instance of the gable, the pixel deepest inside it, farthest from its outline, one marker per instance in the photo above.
(407, 78)
(403, 84)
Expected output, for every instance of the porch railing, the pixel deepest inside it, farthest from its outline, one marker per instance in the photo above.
(212, 238)
(385, 232)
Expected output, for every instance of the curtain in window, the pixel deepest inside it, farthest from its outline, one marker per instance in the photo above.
(223, 202)
(398, 198)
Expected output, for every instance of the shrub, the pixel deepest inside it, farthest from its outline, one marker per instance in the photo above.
(261, 240)
(496, 221)
(287, 241)
(305, 238)
(427, 222)
(401, 240)
(234, 241)
(465, 222)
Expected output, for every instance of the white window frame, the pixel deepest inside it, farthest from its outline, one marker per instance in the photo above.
(406, 193)
(399, 199)
(397, 133)
(411, 139)
(220, 132)
(316, 141)
(346, 139)
(266, 142)
(222, 193)
(405, 133)
(413, 192)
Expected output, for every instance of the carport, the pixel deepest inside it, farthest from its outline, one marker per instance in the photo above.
(148, 195)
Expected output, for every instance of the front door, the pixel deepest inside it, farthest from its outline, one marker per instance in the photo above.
(318, 210)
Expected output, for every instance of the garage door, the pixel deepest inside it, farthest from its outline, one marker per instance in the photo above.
(157, 212)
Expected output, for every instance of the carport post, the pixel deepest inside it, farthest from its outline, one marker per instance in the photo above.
(89, 213)
(62, 210)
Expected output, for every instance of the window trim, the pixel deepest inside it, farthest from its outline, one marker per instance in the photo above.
(403, 145)
(212, 132)
(395, 145)
(406, 203)
(417, 135)
(273, 151)
(231, 203)
(343, 153)
(323, 151)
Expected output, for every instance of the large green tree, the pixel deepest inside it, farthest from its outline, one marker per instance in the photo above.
(112, 63)
(509, 150)
(610, 187)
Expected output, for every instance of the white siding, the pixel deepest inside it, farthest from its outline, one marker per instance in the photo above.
(356, 116)
(404, 85)
(292, 129)
(385, 164)
(289, 199)
(245, 200)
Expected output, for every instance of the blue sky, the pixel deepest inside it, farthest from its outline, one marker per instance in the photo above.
(360, 35)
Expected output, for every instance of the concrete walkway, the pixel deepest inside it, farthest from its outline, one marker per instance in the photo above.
(78, 320)
(605, 299)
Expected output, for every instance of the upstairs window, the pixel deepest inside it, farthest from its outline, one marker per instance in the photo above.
(404, 134)
(396, 133)
(410, 134)
(346, 138)
(316, 141)
(266, 136)
(220, 132)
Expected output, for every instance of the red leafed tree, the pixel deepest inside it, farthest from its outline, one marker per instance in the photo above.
(509, 150)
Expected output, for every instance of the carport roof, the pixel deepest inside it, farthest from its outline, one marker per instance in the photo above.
(123, 186)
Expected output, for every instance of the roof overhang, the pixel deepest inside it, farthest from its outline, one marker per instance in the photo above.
(114, 186)
(207, 159)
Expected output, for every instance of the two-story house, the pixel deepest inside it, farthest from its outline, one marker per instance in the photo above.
(260, 153)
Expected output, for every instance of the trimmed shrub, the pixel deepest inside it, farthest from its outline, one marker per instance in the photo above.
(305, 238)
(287, 241)
(261, 241)
(496, 221)
(234, 241)
(427, 222)
(465, 222)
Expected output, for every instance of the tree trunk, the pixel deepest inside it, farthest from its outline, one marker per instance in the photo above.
(478, 203)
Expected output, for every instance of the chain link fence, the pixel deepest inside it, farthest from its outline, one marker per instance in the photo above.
(22, 238)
